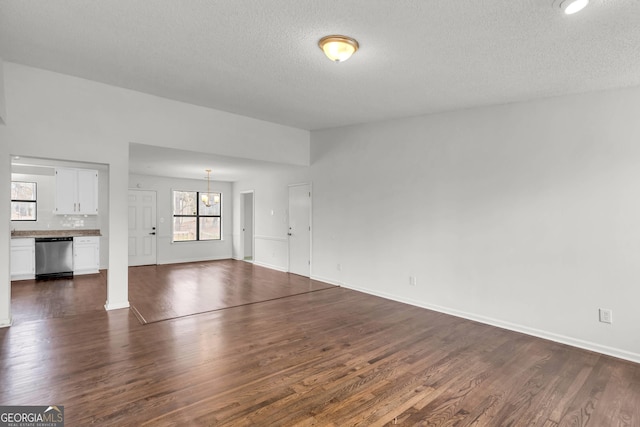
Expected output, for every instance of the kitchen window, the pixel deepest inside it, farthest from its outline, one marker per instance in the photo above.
(196, 216)
(24, 203)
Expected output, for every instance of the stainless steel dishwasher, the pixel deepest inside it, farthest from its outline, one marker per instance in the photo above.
(54, 257)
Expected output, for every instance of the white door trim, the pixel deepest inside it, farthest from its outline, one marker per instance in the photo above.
(310, 226)
(253, 224)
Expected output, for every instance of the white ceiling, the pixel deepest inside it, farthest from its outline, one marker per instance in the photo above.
(159, 161)
(260, 58)
(168, 162)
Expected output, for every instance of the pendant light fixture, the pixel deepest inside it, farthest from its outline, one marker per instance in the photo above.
(338, 48)
(205, 197)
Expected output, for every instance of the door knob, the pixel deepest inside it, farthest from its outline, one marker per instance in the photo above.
(152, 234)
(289, 234)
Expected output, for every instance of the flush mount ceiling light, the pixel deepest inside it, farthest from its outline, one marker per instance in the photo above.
(570, 7)
(338, 48)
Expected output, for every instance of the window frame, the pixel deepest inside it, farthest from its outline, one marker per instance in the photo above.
(34, 201)
(197, 215)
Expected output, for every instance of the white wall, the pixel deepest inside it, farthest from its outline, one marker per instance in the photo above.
(526, 216)
(5, 217)
(5, 229)
(271, 205)
(168, 252)
(61, 117)
(3, 106)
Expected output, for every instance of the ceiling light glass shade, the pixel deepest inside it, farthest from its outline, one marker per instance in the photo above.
(572, 6)
(338, 48)
(209, 199)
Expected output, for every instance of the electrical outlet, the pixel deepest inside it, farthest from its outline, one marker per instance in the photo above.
(605, 315)
(339, 267)
(413, 280)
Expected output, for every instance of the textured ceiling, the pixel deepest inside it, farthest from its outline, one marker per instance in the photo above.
(151, 160)
(260, 58)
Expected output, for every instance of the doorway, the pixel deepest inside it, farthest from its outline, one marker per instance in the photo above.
(142, 228)
(300, 229)
(247, 218)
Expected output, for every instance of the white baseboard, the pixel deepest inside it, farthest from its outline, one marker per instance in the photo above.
(271, 266)
(196, 259)
(22, 277)
(83, 272)
(329, 281)
(116, 306)
(562, 339)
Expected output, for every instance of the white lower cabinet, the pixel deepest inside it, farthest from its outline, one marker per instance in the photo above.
(23, 259)
(86, 255)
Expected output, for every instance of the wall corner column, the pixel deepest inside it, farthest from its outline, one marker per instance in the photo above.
(5, 230)
(118, 274)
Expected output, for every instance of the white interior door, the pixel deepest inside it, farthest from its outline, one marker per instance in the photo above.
(300, 229)
(142, 227)
(247, 225)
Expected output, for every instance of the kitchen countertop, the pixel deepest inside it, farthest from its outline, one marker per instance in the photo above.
(16, 234)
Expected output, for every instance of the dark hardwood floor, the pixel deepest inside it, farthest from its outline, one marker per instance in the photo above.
(44, 299)
(334, 357)
(161, 292)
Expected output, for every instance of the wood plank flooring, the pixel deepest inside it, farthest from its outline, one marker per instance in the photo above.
(161, 292)
(330, 358)
(44, 299)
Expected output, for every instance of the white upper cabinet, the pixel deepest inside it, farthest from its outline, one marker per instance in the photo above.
(66, 191)
(76, 191)
(87, 191)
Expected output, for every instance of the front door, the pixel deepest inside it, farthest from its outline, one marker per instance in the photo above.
(142, 227)
(300, 229)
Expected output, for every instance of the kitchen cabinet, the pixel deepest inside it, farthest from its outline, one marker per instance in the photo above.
(76, 191)
(86, 255)
(23, 259)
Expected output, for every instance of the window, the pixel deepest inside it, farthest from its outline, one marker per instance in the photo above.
(23, 201)
(193, 219)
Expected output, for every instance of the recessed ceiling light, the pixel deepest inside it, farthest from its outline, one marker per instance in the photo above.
(572, 6)
(338, 48)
